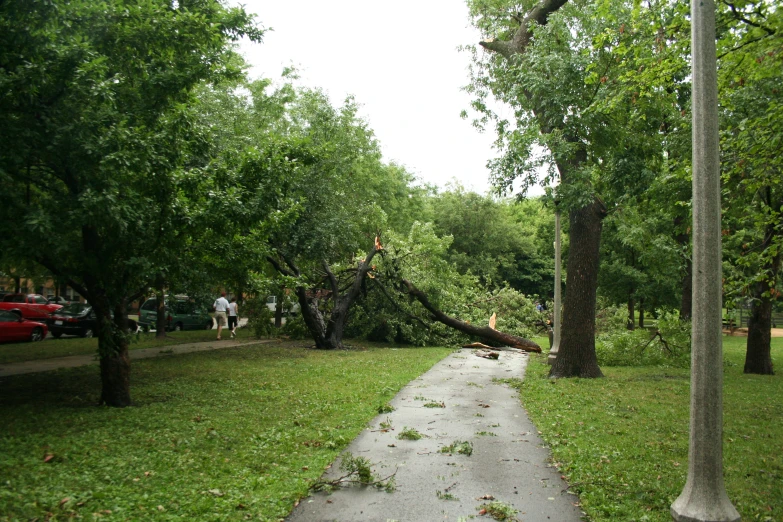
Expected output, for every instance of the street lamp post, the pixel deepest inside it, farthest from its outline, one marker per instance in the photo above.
(704, 498)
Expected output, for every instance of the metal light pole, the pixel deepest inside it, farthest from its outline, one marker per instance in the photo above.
(704, 496)
(556, 337)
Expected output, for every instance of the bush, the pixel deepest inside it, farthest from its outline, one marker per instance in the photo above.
(609, 318)
(669, 345)
(259, 317)
(295, 327)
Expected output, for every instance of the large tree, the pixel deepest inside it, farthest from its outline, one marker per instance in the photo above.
(336, 201)
(97, 123)
(538, 65)
(751, 65)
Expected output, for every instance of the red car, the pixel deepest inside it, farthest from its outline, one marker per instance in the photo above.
(29, 306)
(15, 328)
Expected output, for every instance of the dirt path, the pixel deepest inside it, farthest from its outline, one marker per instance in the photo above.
(743, 332)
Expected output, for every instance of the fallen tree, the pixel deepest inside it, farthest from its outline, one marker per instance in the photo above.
(485, 332)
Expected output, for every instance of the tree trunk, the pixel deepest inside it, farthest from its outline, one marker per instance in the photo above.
(160, 317)
(328, 335)
(279, 313)
(576, 356)
(113, 352)
(641, 313)
(758, 355)
(686, 303)
(313, 319)
(279, 297)
(629, 324)
(485, 332)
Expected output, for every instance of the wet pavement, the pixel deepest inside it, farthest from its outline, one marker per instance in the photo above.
(460, 400)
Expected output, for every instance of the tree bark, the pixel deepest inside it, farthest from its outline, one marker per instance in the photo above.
(576, 357)
(485, 332)
(629, 324)
(113, 352)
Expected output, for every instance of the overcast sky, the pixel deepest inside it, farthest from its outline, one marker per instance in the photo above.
(400, 60)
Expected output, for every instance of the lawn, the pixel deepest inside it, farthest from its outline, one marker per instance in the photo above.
(231, 434)
(65, 346)
(622, 441)
(241, 433)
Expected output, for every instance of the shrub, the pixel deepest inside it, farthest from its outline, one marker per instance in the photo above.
(295, 327)
(259, 317)
(669, 345)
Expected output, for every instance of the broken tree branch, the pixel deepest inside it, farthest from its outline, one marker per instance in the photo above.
(397, 306)
(485, 332)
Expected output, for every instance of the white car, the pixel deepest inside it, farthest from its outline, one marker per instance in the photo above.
(292, 308)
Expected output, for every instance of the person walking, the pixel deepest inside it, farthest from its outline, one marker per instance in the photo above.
(233, 317)
(221, 307)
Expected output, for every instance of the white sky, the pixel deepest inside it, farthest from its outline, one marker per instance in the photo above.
(400, 61)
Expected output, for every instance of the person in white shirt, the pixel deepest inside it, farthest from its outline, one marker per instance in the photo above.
(221, 307)
(233, 317)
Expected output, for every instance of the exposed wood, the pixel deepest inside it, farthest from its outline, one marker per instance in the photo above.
(477, 345)
(485, 332)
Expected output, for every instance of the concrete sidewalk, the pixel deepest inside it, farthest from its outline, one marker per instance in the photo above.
(72, 361)
(509, 463)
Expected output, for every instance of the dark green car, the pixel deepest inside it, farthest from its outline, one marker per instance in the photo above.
(181, 314)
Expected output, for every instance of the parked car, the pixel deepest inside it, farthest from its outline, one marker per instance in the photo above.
(78, 319)
(58, 299)
(29, 306)
(289, 306)
(16, 328)
(181, 314)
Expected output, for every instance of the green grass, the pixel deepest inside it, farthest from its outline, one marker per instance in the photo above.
(622, 441)
(221, 435)
(65, 346)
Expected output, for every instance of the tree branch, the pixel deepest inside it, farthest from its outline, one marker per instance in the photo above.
(539, 15)
(739, 16)
(279, 267)
(332, 279)
(484, 332)
(399, 308)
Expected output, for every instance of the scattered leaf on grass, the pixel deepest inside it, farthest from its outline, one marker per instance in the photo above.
(63, 501)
